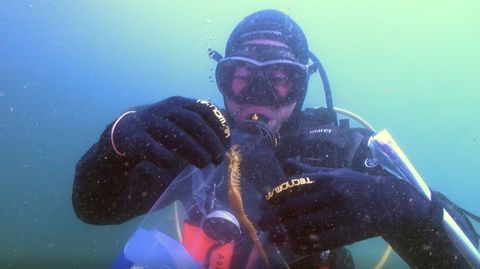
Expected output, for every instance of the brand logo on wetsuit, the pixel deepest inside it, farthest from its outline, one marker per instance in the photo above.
(325, 131)
(218, 113)
(287, 185)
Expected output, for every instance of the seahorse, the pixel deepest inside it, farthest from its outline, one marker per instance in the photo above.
(234, 158)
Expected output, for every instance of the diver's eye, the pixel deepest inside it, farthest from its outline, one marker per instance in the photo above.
(280, 82)
(241, 77)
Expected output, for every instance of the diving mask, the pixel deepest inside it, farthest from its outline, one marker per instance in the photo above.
(274, 83)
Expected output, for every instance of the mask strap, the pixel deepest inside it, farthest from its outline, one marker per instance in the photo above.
(213, 54)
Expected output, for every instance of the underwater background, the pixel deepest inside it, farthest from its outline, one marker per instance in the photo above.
(68, 68)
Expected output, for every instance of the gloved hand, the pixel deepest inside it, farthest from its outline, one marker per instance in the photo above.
(173, 131)
(326, 208)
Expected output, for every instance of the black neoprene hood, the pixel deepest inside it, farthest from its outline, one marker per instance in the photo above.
(273, 25)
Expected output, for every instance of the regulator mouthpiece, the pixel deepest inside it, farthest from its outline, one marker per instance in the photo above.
(258, 117)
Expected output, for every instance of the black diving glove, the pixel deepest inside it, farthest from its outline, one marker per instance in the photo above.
(173, 131)
(325, 208)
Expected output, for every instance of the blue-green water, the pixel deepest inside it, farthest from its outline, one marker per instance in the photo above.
(67, 68)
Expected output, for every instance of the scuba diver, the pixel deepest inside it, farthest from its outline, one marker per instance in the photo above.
(264, 78)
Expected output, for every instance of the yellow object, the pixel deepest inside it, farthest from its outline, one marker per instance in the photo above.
(384, 258)
(235, 198)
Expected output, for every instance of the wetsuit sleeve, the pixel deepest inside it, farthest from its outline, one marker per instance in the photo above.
(110, 189)
(426, 244)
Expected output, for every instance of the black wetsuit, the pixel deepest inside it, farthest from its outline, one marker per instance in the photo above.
(110, 189)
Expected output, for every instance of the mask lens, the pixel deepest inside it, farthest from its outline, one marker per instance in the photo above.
(241, 78)
(233, 76)
(270, 84)
(287, 80)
